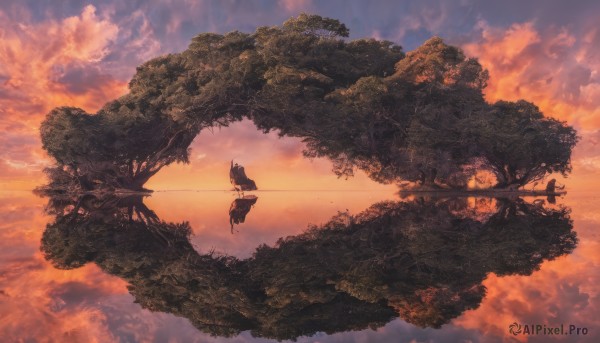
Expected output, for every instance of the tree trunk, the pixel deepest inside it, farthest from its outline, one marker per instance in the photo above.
(432, 175)
(505, 185)
(135, 183)
(509, 178)
(428, 178)
(421, 180)
(138, 182)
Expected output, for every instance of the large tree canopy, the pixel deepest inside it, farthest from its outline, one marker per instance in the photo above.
(363, 103)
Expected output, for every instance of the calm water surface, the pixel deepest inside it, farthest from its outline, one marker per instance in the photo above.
(184, 267)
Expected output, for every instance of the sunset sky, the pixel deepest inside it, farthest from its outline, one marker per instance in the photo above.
(82, 53)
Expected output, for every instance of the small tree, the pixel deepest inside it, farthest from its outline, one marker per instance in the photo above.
(520, 145)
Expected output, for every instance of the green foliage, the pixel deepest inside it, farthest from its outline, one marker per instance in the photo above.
(71, 136)
(364, 104)
(437, 63)
(316, 25)
(519, 144)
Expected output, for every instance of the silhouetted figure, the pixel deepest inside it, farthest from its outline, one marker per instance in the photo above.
(239, 180)
(239, 208)
(551, 187)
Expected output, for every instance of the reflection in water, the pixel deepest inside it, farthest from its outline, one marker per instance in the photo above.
(423, 261)
(239, 208)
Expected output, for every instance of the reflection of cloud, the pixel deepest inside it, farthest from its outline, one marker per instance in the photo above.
(275, 215)
(83, 305)
(87, 305)
(39, 301)
(562, 291)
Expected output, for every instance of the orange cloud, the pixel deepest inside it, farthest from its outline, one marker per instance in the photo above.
(34, 57)
(551, 68)
(36, 74)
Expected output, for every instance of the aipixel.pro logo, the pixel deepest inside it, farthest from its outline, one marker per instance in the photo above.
(543, 329)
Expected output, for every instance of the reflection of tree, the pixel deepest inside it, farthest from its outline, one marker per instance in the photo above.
(240, 208)
(164, 271)
(422, 261)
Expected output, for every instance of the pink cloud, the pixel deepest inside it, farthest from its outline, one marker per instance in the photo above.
(546, 67)
(35, 62)
(296, 6)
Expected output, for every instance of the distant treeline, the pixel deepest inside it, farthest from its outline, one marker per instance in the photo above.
(364, 104)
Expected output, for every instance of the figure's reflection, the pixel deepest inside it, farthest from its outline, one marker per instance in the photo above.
(423, 261)
(239, 208)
